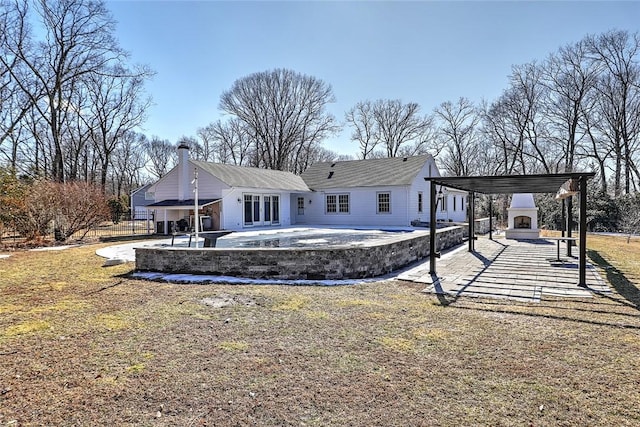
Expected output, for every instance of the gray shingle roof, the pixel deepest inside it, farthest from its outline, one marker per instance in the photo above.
(242, 176)
(364, 173)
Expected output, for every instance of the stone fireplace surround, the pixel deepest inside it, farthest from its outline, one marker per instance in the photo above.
(523, 218)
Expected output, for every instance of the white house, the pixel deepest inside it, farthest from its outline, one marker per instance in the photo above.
(379, 192)
(373, 192)
(229, 197)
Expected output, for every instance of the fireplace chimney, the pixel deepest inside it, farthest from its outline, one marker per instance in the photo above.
(184, 188)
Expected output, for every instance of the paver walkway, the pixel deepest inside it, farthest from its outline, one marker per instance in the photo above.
(524, 270)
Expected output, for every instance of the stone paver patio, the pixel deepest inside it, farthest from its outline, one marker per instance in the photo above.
(523, 270)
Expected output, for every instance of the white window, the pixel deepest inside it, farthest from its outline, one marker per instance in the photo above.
(149, 195)
(454, 203)
(419, 201)
(337, 203)
(384, 202)
(442, 202)
(343, 203)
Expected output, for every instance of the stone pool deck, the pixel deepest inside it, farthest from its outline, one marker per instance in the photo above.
(523, 270)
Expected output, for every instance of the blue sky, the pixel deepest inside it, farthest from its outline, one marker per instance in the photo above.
(425, 52)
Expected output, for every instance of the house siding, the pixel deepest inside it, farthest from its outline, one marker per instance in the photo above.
(363, 207)
(167, 186)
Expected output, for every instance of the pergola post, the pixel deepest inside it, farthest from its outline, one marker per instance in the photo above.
(432, 228)
(582, 281)
(490, 218)
(563, 224)
(472, 221)
(569, 223)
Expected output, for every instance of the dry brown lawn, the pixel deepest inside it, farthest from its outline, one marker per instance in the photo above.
(81, 344)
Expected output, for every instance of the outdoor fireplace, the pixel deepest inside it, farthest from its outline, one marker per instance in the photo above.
(522, 222)
(523, 218)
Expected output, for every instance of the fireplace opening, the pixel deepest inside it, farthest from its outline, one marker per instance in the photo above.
(522, 222)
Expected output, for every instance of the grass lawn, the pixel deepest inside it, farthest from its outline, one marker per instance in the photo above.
(81, 344)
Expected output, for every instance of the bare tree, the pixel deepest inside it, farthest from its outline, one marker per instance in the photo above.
(619, 100)
(365, 133)
(458, 131)
(593, 124)
(389, 128)
(14, 104)
(503, 126)
(229, 142)
(162, 156)
(517, 124)
(78, 42)
(283, 111)
(117, 105)
(128, 161)
(569, 76)
(400, 125)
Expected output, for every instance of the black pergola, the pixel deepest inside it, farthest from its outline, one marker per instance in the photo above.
(508, 184)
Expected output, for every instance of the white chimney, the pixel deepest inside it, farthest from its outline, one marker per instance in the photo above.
(523, 218)
(184, 188)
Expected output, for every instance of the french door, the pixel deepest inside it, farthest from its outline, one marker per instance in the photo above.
(261, 209)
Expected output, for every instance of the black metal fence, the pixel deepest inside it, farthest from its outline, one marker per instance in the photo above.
(122, 225)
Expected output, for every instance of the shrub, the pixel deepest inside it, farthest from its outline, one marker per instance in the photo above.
(66, 207)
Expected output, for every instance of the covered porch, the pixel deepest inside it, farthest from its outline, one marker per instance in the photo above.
(173, 216)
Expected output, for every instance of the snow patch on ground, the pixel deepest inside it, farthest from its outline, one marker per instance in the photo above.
(4, 256)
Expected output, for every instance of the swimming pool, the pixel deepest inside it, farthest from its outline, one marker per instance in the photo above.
(308, 238)
(324, 253)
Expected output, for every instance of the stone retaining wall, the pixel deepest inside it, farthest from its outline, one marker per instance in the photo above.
(481, 226)
(297, 263)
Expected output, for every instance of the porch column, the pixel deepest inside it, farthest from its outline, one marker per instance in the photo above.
(432, 228)
(582, 281)
(166, 228)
